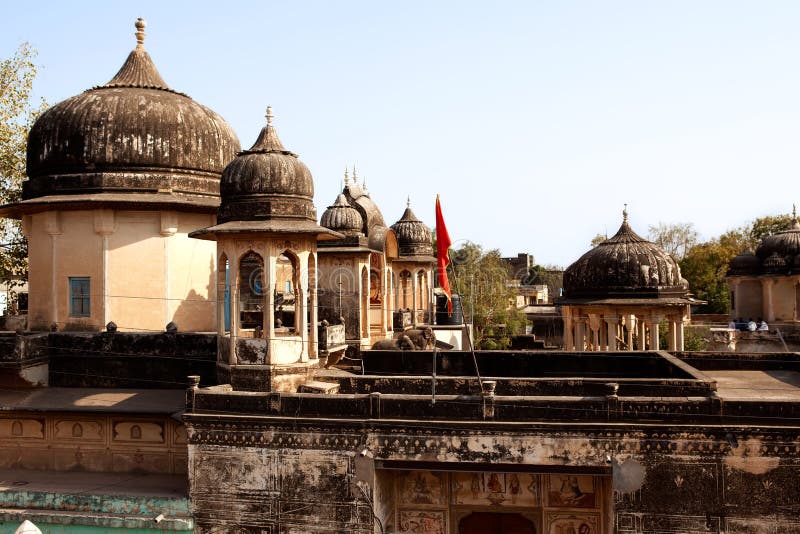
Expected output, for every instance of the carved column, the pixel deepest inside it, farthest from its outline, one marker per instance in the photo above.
(612, 323)
(233, 263)
(52, 225)
(569, 342)
(653, 326)
(580, 334)
(766, 292)
(104, 227)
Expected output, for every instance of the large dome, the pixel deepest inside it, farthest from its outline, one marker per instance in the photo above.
(267, 182)
(624, 266)
(413, 237)
(785, 244)
(132, 134)
(342, 217)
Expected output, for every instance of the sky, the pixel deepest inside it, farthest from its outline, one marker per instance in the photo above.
(534, 121)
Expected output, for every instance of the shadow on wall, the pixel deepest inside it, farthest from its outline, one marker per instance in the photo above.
(196, 309)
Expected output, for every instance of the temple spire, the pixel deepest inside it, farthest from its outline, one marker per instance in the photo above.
(140, 25)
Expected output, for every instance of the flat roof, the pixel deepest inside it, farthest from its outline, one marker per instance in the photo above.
(771, 385)
(60, 399)
(67, 482)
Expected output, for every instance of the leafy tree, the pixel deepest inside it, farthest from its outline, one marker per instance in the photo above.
(599, 238)
(705, 266)
(676, 239)
(16, 116)
(765, 226)
(481, 279)
(550, 275)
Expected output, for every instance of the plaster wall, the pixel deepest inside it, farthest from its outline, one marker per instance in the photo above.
(155, 273)
(750, 300)
(783, 299)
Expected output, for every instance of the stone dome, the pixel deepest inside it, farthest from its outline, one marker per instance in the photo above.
(785, 244)
(744, 264)
(342, 217)
(625, 266)
(413, 237)
(132, 134)
(266, 182)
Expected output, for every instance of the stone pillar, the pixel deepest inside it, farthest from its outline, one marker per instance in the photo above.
(594, 326)
(631, 320)
(233, 263)
(52, 225)
(569, 342)
(313, 345)
(104, 227)
(653, 326)
(679, 334)
(301, 306)
(736, 310)
(580, 335)
(642, 333)
(671, 334)
(768, 306)
(612, 323)
(270, 274)
(414, 303)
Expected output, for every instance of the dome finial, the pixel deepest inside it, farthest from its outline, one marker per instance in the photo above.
(269, 115)
(346, 177)
(408, 201)
(625, 213)
(794, 211)
(140, 25)
(355, 175)
(364, 183)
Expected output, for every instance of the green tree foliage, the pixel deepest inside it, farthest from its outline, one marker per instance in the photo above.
(705, 266)
(763, 227)
(599, 238)
(550, 275)
(16, 116)
(675, 239)
(481, 279)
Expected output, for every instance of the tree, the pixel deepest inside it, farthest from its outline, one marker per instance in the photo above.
(599, 238)
(706, 264)
(765, 226)
(481, 279)
(676, 239)
(550, 275)
(16, 116)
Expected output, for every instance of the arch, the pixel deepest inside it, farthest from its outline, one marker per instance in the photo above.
(288, 291)
(390, 247)
(16, 428)
(422, 290)
(136, 432)
(406, 290)
(223, 294)
(77, 430)
(313, 312)
(364, 302)
(251, 291)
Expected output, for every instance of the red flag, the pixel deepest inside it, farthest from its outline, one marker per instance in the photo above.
(443, 255)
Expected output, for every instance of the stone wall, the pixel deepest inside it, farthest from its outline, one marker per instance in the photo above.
(302, 477)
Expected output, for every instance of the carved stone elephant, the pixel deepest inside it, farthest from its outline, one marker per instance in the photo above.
(401, 343)
(423, 338)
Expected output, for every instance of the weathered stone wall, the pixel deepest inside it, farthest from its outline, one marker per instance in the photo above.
(299, 477)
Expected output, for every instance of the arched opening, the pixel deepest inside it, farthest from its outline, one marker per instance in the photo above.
(287, 294)
(497, 523)
(136, 432)
(364, 302)
(405, 289)
(16, 428)
(251, 293)
(223, 295)
(422, 292)
(313, 312)
(77, 430)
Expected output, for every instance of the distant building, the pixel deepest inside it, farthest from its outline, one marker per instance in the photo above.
(766, 285)
(617, 294)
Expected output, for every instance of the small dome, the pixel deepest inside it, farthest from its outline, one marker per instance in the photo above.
(624, 266)
(266, 182)
(744, 264)
(342, 217)
(775, 264)
(785, 243)
(132, 134)
(413, 237)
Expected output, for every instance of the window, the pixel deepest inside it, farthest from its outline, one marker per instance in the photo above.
(79, 301)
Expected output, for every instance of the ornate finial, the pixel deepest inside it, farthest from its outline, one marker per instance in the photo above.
(364, 184)
(355, 175)
(408, 201)
(270, 116)
(140, 24)
(794, 211)
(625, 213)
(346, 177)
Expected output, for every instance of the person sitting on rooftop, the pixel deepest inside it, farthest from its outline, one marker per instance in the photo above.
(763, 327)
(732, 324)
(751, 325)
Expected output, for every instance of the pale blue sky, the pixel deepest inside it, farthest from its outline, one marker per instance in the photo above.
(534, 121)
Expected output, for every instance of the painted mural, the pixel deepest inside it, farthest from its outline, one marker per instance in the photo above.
(571, 491)
(422, 521)
(422, 487)
(495, 489)
(572, 523)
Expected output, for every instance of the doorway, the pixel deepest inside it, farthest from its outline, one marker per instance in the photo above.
(495, 523)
